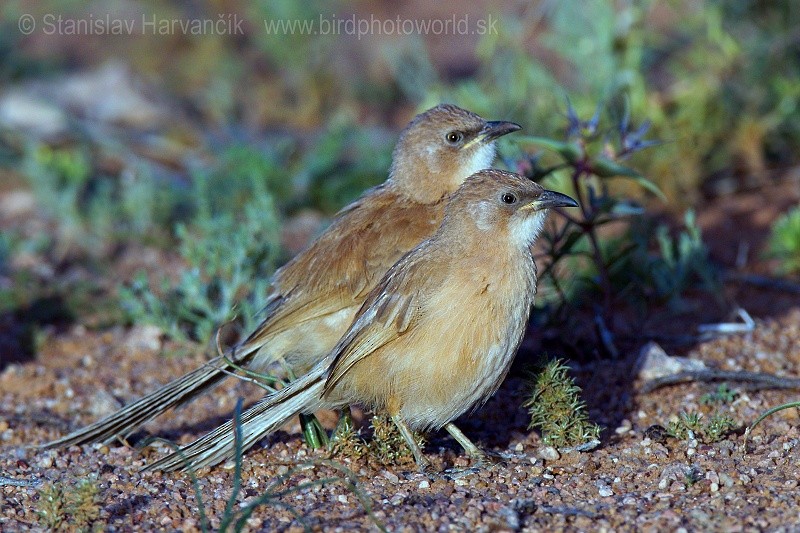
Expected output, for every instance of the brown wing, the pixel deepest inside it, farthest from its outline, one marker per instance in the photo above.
(340, 268)
(390, 310)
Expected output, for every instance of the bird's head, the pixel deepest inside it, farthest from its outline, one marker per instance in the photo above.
(440, 148)
(497, 205)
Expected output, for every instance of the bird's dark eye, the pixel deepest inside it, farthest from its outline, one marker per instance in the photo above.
(508, 198)
(454, 137)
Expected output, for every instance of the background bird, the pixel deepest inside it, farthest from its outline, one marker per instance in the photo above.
(313, 297)
(434, 338)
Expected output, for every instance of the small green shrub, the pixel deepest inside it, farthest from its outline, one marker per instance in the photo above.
(386, 444)
(229, 261)
(784, 241)
(591, 154)
(51, 509)
(344, 162)
(691, 425)
(557, 410)
(723, 395)
(93, 210)
(69, 509)
(655, 267)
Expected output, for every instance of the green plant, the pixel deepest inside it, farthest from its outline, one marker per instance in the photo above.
(585, 162)
(386, 444)
(557, 410)
(73, 509)
(720, 87)
(610, 256)
(723, 395)
(692, 476)
(763, 416)
(655, 267)
(6, 245)
(690, 425)
(784, 241)
(229, 261)
(91, 209)
(717, 427)
(51, 508)
(344, 162)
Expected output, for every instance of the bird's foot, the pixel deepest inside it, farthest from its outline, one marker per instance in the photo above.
(458, 473)
(489, 460)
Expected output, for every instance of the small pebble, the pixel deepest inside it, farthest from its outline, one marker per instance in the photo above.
(390, 476)
(424, 484)
(548, 453)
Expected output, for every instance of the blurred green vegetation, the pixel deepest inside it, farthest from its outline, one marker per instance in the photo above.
(719, 81)
(784, 242)
(230, 253)
(261, 126)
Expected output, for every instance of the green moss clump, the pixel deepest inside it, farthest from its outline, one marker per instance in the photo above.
(557, 410)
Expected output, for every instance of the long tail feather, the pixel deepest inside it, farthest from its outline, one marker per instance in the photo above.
(134, 415)
(302, 395)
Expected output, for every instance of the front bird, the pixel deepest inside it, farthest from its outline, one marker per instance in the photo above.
(437, 334)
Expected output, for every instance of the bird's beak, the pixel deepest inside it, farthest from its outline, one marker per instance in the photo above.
(549, 199)
(497, 128)
(492, 130)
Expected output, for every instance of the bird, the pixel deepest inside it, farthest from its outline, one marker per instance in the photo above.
(313, 298)
(434, 338)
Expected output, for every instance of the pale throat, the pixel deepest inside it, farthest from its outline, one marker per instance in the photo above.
(481, 159)
(525, 230)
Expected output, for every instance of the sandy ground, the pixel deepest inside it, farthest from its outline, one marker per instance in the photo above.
(631, 482)
(636, 479)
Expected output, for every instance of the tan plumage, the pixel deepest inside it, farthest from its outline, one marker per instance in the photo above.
(436, 335)
(315, 296)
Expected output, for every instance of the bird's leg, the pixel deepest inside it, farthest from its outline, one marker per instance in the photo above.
(480, 457)
(423, 463)
(313, 432)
